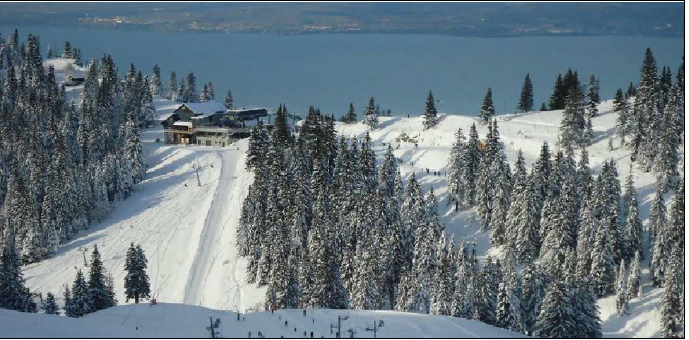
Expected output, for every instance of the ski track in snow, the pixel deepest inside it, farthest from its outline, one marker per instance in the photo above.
(206, 255)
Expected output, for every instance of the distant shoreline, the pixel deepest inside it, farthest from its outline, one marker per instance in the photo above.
(142, 28)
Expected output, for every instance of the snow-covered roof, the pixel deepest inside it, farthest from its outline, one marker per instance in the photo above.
(180, 123)
(205, 107)
(244, 109)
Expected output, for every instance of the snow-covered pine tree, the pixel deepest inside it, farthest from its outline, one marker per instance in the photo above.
(602, 263)
(622, 300)
(370, 116)
(645, 117)
(210, 92)
(110, 290)
(68, 306)
(455, 171)
(430, 114)
(229, 102)
(509, 313)
(676, 221)
(257, 141)
(557, 98)
(487, 108)
(607, 198)
(669, 141)
(441, 280)
(587, 314)
(593, 98)
(204, 94)
(634, 282)
(633, 230)
(50, 306)
(284, 133)
(557, 319)
(665, 84)
(561, 228)
(148, 111)
(471, 158)
(326, 289)
(542, 169)
(424, 264)
(659, 237)
(626, 198)
(350, 117)
(573, 121)
(585, 240)
(280, 277)
(413, 217)
(136, 283)
(533, 293)
(620, 106)
(526, 97)
(156, 87)
(485, 183)
(13, 294)
(588, 135)
(191, 95)
(465, 288)
(680, 99)
(367, 165)
(584, 176)
(487, 283)
(522, 223)
(133, 148)
(500, 194)
(81, 298)
(67, 51)
(365, 292)
(98, 289)
(172, 89)
(672, 301)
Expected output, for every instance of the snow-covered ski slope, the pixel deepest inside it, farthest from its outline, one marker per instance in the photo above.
(188, 232)
(184, 321)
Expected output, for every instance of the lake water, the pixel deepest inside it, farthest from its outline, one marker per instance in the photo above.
(330, 71)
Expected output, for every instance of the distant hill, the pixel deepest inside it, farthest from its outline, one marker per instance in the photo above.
(459, 19)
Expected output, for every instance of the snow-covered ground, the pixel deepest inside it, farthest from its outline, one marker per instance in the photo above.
(185, 321)
(188, 231)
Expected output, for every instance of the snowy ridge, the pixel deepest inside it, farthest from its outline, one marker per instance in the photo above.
(180, 321)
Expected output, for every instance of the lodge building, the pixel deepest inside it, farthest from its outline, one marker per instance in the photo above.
(209, 124)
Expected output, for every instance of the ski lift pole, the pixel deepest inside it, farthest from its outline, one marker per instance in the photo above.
(339, 325)
(198, 179)
(212, 329)
(375, 328)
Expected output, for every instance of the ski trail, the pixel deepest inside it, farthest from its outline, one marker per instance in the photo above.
(208, 248)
